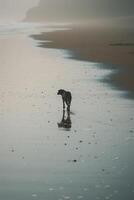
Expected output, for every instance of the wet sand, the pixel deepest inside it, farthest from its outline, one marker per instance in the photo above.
(92, 158)
(114, 48)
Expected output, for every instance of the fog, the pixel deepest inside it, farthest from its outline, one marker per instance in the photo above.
(15, 10)
(77, 10)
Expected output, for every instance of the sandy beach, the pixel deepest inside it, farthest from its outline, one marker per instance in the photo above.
(112, 47)
(40, 159)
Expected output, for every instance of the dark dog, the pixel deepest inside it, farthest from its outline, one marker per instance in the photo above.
(66, 98)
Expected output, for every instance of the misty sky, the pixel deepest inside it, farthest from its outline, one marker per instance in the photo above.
(67, 10)
(15, 10)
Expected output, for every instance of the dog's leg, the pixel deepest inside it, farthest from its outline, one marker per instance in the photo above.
(63, 104)
(68, 107)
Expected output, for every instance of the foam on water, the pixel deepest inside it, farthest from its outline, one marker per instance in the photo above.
(11, 29)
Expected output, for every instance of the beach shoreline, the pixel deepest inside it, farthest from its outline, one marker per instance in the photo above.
(87, 158)
(106, 46)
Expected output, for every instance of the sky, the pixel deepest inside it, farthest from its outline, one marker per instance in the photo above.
(82, 10)
(15, 10)
(121, 11)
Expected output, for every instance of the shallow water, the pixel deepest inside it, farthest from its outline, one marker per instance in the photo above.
(38, 160)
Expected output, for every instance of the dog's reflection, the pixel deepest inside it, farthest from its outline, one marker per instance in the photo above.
(65, 121)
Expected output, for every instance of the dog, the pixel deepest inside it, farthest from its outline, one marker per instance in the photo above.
(66, 98)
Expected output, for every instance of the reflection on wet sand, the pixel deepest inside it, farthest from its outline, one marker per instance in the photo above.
(66, 120)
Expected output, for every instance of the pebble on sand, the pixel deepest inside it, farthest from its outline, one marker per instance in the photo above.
(34, 195)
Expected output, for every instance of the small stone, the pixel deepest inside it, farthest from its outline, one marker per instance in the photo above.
(80, 197)
(97, 186)
(107, 197)
(51, 189)
(85, 189)
(34, 195)
(107, 186)
(61, 188)
(116, 191)
(116, 158)
(95, 157)
(66, 197)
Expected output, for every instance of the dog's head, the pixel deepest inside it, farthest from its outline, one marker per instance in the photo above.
(60, 92)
